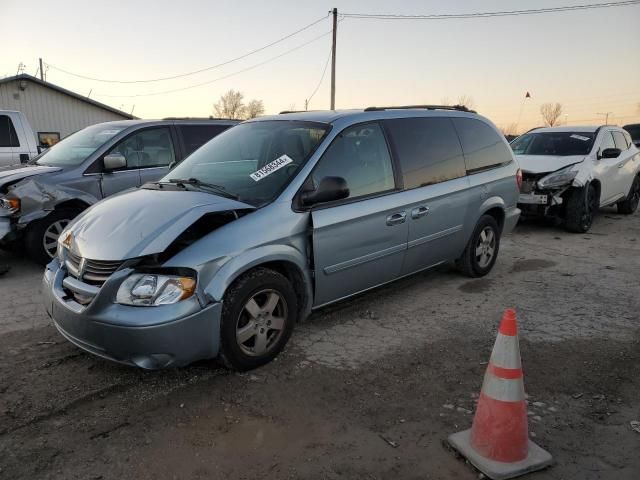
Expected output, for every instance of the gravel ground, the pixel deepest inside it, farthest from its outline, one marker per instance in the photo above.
(367, 389)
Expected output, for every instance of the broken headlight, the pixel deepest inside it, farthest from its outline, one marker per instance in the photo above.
(559, 178)
(150, 290)
(11, 205)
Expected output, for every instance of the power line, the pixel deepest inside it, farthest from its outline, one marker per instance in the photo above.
(173, 77)
(503, 13)
(224, 76)
(324, 70)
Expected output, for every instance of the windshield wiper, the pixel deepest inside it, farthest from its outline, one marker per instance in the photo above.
(220, 190)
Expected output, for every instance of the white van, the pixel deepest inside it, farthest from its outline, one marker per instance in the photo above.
(17, 140)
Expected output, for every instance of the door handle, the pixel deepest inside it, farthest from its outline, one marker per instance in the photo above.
(620, 165)
(396, 218)
(420, 211)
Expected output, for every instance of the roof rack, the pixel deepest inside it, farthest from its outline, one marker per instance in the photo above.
(199, 118)
(297, 111)
(460, 108)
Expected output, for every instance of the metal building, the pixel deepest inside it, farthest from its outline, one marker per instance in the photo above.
(53, 111)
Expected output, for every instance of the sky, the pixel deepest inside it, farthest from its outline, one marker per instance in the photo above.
(586, 60)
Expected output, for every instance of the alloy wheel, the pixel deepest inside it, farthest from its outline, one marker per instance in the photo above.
(51, 235)
(261, 322)
(485, 247)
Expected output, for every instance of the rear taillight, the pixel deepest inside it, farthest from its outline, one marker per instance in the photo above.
(519, 178)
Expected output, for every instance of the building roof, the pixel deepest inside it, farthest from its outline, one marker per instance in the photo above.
(64, 91)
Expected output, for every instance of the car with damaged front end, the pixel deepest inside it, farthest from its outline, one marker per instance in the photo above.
(40, 198)
(276, 217)
(570, 172)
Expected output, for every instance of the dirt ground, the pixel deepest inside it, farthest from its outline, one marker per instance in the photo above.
(367, 389)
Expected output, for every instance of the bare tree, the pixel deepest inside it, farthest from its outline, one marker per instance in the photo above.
(551, 113)
(445, 101)
(466, 101)
(510, 130)
(230, 105)
(254, 108)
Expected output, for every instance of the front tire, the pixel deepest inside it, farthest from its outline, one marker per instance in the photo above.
(582, 205)
(481, 252)
(41, 239)
(259, 312)
(630, 204)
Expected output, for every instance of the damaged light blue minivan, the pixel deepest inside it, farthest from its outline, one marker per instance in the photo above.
(276, 217)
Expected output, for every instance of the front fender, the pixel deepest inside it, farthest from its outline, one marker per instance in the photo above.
(244, 262)
(38, 199)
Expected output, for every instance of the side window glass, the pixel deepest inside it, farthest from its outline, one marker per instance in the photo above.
(483, 147)
(194, 136)
(8, 135)
(359, 155)
(428, 149)
(619, 140)
(147, 148)
(607, 141)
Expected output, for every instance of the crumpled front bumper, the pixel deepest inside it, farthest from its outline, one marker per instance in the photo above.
(148, 337)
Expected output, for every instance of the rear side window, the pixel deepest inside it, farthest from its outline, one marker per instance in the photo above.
(620, 141)
(428, 150)
(194, 136)
(483, 147)
(8, 136)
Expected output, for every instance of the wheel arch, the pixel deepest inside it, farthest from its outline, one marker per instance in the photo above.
(285, 260)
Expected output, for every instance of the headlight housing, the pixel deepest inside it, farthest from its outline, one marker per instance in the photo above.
(11, 205)
(152, 290)
(559, 178)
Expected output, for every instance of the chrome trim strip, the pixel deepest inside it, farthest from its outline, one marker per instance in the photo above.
(364, 259)
(435, 236)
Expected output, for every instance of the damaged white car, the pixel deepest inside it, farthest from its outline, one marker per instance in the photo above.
(570, 172)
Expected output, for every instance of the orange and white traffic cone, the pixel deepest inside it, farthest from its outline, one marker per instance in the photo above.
(498, 442)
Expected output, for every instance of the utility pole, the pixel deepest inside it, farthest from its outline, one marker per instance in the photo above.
(333, 59)
(606, 116)
(41, 70)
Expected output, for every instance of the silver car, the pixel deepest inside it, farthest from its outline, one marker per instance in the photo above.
(274, 218)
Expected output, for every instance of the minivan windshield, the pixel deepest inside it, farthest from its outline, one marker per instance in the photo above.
(74, 149)
(560, 144)
(253, 161)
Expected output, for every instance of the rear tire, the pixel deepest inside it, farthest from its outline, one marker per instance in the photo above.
(481, 252)
(258, 315)
(630, 204)
(580, 209)
(42, 235)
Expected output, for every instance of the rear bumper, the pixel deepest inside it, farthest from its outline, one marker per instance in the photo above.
(172, 341)
(511, 217)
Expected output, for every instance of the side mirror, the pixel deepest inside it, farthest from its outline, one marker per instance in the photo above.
(610, 153)
(329, 190)
(114, 161)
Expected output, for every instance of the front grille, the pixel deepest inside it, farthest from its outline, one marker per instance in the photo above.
(94, 272)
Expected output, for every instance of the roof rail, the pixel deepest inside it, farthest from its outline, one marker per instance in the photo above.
(460, 108)
(201, 118)
(298, 111)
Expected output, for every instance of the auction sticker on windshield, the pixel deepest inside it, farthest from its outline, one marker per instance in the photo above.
(580, 137)
(271, 167)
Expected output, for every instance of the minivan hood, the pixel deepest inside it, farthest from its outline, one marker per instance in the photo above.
(13, 173)
(546, 163)
(142, 222)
